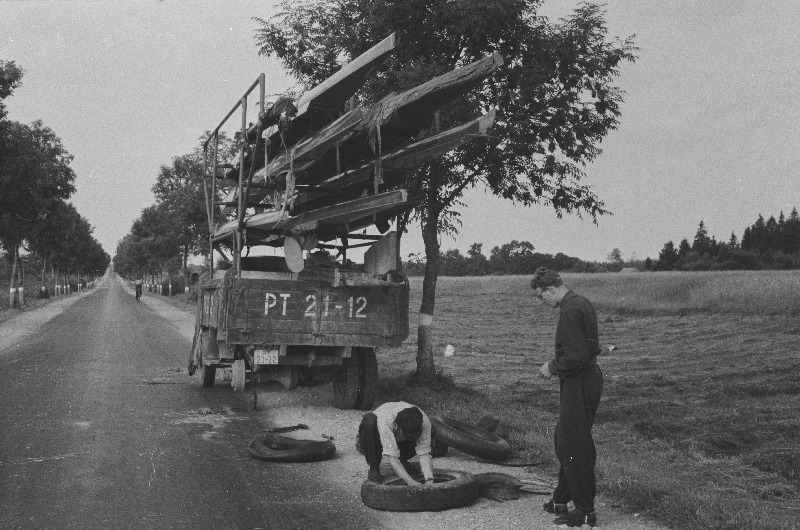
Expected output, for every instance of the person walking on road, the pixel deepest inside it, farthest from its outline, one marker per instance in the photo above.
(138, 286)
(398, 431)
(581, 385)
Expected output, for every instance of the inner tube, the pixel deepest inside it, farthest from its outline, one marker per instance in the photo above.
(275, 448)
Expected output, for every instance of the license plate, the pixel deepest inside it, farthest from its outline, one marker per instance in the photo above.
(266, 357)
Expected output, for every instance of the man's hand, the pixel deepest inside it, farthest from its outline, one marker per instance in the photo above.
(544, 371)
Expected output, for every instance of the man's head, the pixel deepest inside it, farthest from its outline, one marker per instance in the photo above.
(410, 422)
(548, 286)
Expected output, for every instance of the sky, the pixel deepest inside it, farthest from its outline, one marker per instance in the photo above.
(708, 132)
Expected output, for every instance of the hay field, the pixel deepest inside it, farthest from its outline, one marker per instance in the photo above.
(699, 425)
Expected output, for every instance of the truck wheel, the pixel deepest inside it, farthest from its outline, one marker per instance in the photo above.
(207, 375)
(470, 439)
(355, 385)
(368, 379)
(451, 489)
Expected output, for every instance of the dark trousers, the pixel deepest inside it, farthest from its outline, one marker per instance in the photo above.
(580, 397)
(369, 442)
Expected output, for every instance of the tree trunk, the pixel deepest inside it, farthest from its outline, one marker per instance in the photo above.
(21, 273)
(426, 371)
(43, 288)
(12, 293)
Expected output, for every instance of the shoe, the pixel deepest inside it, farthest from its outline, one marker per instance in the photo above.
(555, 507)
(374, 475)
(575, 518)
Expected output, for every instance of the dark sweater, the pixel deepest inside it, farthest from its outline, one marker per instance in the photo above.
(577, 340)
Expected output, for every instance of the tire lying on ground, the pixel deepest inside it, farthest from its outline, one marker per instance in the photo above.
(275, 448)
(470, 439)
(499, 486)
(498, 479)
(451, 489)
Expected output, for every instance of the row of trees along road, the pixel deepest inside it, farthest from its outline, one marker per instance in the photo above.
(771, 244)
(167, 233)
(36, 180)
(555, 98)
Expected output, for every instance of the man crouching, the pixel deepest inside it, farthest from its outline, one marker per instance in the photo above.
(397, 430)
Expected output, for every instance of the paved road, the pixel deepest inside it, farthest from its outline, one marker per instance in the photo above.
(100, 427)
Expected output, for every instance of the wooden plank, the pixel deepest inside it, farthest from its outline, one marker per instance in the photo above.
(338, 213)
(398, 164)
(326, 99)
(407, 113)
(406, 159)
(338, 88)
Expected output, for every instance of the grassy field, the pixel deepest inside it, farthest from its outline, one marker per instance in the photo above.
(699, 425)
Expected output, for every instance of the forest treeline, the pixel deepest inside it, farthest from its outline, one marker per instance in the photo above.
(770, 244)
(36, 181)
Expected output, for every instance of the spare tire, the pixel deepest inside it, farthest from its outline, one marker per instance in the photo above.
(275, 448)
(470, 439)
(451, 489)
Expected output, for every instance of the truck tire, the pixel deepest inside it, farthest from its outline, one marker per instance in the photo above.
(368, 379)
(207, 375)
(355, 385)
(470, 439)
(275, 448)
(451, 489)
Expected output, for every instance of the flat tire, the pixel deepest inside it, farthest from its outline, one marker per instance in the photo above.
(451, 489)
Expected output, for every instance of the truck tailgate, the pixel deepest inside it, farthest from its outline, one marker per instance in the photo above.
(317, 313)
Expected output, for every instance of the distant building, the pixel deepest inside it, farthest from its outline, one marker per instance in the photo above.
(629, 269)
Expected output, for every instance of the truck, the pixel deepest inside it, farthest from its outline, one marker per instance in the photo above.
(317, 181)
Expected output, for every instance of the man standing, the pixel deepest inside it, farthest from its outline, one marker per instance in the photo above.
(138, 286)
(581, 385)
(398, 431)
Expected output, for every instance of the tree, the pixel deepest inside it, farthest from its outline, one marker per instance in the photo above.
(758, 234)
(512, 258)
(158, 234)
(555, 99)
(684, 248)
(702, 243)
(477, 264)
(51, 235)
(10, 79)
(792, 231)
(667, 257)
(615, 256)
(180, 187)
(34, 174)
